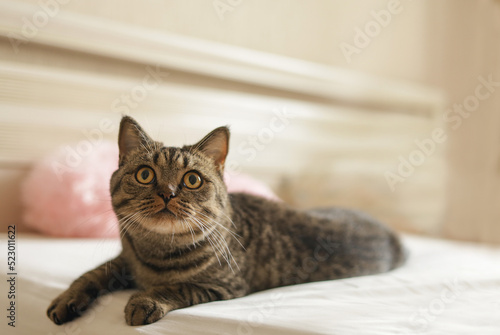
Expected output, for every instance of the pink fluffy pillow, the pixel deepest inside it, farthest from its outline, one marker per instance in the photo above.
(67, 193)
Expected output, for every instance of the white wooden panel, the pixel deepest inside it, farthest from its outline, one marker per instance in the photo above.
(113, 39)
(347, 129)
(325, 154)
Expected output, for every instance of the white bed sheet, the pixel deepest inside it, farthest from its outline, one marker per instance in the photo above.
(445, 288)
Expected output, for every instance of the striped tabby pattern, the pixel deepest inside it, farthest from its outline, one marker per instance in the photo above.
(187, 241)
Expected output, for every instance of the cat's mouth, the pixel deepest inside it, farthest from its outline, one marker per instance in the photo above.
(166, 211)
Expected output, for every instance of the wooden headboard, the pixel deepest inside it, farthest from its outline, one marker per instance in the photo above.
(318, 135)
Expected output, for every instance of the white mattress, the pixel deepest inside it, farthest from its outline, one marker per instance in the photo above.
(445, 288)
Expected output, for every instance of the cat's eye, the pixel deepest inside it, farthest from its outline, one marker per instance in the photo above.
(192, 180)
(145, 175)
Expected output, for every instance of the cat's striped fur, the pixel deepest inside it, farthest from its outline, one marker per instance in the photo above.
(184, 246)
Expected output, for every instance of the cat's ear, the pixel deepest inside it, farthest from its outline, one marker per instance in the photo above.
(131, 137)
(216, 146)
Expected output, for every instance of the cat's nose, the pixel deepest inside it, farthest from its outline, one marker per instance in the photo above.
(166, 196)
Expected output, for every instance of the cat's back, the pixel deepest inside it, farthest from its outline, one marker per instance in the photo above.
(263, 214)
(255, 211)
(301, 246)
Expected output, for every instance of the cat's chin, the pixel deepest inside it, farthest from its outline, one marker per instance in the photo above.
(166, 213)
(163, 225)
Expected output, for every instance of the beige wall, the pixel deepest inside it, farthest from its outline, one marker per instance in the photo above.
(472, 32)
(311, 30)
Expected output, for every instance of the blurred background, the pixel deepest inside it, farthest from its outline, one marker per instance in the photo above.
(388, 106)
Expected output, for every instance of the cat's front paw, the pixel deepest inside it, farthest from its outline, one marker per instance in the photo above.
(68, 306)
(141, 309)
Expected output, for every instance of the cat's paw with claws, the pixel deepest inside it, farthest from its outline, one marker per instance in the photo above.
(141, 309)
(68, 306)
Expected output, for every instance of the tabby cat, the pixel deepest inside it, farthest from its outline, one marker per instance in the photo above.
(186, 241)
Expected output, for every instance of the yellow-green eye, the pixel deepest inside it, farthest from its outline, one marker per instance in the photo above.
(145, 175)
(192, 180)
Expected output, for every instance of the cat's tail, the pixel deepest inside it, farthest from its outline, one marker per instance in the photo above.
(399, 252)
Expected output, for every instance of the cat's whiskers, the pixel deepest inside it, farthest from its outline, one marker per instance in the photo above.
(192, 233)
(111, 227)
(134, 212)
(227, 254)
(173, 234)
(105, 222)
(214, 237)
(183, 223)
(127, 224)
(123, 222)
(190, 230)
(232, 233)
(125, 228)
(230, 220)
(96, 215)
(206, 230)
(206, 227)
(211, 242)
(141, 213)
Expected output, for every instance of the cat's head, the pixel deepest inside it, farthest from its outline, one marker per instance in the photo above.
(169, 189)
